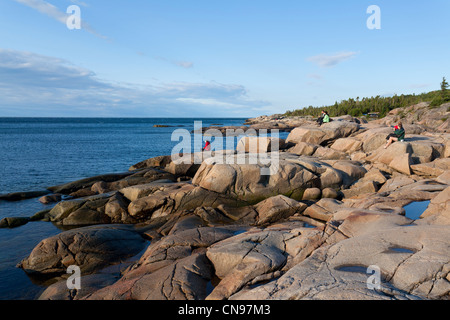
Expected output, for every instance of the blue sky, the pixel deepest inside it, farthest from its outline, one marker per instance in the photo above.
(198, 58)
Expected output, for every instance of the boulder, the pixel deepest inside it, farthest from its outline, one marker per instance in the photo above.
(325, 153)
(117, 209)
(90, 248)
(351, 171)
(174, 268)
(155, 162)
(63, 209)
(186, 278)
(241, 258)
(187, 222)
(303, 149)
(331, 178)
(17, 196)
(396, 182)
(444, 178)
(187, 164)
(13, 222)
(323, 210)
(386, 156)
(142, 190)
(89, 214)
(98, 209)
(358, 156)
(239, 215)
(347, 145)
(438, 211)
(312, 194)
(143, 176)
(402, 163)
(90, 283)
(376, 176)
(178, 197)
(87, 182)
(82, 193)
(50, 198)
(277, 208)
(246, 178)
(78, 212)
(182, 168)
(373, 138)
(447, 147)
(360, 188)
(259, 144)
(41, 215)
(323, 135)
(426, 149)
(434, 168)
(330, 193)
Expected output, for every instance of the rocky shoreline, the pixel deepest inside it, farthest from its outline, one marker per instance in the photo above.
(219, 228)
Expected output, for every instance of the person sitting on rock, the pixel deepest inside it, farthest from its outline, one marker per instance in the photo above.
(324, 118)
(320, 119)
(207, 146)
(398, 135)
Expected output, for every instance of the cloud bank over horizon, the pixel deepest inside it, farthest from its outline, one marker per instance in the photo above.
(38, 85)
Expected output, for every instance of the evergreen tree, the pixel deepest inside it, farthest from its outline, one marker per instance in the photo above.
(444, 86)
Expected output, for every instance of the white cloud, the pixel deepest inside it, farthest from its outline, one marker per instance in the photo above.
(45, 8)
(211, 102)
(53, 12)
(315, 76)
(79, 3)
(33, 70)
(37, 85)
(185, 64)
(330, 60)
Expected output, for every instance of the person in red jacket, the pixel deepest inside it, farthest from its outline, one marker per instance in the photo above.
(207, 146)
(398, 135)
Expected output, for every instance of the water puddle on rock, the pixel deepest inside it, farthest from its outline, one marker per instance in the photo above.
(352, 268)
(415, 209)
(399, 250)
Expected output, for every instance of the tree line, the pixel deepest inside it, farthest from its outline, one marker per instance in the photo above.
(378, 105)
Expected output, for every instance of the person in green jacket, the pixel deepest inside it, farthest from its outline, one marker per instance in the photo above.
(324, 118)
(398, 135)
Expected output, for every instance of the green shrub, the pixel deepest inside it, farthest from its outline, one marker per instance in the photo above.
(436, 102)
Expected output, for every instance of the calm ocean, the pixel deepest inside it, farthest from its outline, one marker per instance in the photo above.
(36, 153)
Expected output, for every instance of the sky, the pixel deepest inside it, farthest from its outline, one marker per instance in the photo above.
(196, 58)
